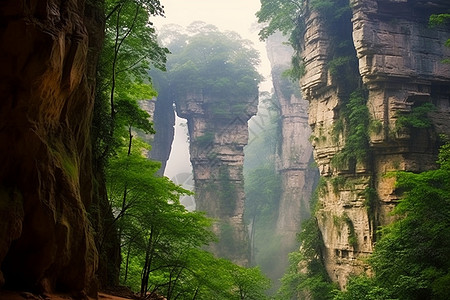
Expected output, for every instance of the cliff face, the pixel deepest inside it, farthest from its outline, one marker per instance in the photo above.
(164, 121)
(217, 140)
(295, 153)
(400, 67)
(46, 175)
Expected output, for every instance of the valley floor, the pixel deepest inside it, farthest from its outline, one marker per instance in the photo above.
(12, 295)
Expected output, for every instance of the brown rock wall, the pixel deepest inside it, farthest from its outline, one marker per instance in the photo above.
(46, 175)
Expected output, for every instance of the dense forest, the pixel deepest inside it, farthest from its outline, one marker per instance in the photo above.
(161, 243)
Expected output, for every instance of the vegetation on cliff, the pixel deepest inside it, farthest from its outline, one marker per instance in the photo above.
(288, 17)
(440, 20)
(220, 66)
(353, 128)
(411, 259)
(307, 277)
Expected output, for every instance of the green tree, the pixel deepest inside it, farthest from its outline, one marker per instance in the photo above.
(412, 258)
(130, 49)
(220, 65)
(279, 15)
(160, 240)
(307, 277)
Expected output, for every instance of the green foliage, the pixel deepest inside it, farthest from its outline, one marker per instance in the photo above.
(352, 238)
(322, 188)
(356, 119)
(306, 277)
(162, 240)
(285, 16)
(337, 183)
(375, 126)
(417, 118)
(411, 259)
(130, 49)
(297, 70)
(206, 139)
(371, 197)
(262, 191)
(262, 184)
(205, 62)
(439, 20)
(336, 64)
(227, 192)
(362, 287)
(288, 86)
(279, 15)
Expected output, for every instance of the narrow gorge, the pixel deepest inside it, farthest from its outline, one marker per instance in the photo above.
(90, 97)
(294, 161)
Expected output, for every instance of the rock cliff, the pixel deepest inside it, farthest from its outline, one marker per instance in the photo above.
(295, 161)
(217, 140)
(398, 69)
(46, 176)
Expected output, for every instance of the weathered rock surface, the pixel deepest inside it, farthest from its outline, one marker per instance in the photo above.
(47, 90)
(400, 64)
(295, 153)
(163, 116)
(217, 156)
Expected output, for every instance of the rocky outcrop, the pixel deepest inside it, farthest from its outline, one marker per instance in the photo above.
(399, 65)
(217, 140)
(295, 161)
(46, 175)
(163, 116)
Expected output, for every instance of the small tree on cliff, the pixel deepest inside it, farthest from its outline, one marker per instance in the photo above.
(129, 51)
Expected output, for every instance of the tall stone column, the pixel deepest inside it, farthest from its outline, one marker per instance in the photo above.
(217, 140)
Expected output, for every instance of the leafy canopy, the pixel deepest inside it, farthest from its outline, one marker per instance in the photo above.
(203, 59)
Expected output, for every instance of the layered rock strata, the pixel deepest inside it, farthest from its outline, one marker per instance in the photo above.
(400, 67)
(47, 87)
(217, 155)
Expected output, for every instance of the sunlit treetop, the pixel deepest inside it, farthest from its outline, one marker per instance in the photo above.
(219, 64)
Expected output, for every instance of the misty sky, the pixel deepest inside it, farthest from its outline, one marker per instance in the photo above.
(234, 15)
